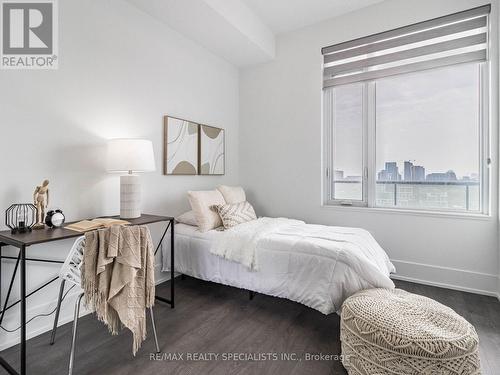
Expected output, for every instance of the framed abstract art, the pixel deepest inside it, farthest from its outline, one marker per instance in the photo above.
(192, 149)
(212, 151)
(181, 144)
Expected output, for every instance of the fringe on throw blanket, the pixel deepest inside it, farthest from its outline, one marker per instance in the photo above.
(118, 278)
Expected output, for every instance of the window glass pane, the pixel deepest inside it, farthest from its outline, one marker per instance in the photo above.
(348, 142)
(428, 138)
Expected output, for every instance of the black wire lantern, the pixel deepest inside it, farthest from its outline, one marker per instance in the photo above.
(20, 218)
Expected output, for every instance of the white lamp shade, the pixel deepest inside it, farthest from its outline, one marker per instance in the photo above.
(136, 155)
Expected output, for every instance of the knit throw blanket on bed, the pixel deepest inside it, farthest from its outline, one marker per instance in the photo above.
(118, 278)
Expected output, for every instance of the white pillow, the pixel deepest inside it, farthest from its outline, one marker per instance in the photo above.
(232, 194)
(202, 203)
(187, 218)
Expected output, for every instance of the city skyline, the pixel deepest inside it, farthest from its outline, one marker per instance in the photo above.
(410, 172)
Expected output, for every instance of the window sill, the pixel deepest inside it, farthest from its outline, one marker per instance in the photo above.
(410, 212)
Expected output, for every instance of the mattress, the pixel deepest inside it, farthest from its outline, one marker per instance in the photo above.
(320, 283)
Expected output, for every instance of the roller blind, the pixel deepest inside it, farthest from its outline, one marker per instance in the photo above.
(457, 38)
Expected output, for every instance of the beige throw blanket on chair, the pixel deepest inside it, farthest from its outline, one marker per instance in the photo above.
(118, 278)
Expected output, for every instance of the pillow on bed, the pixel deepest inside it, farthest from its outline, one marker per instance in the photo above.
(187, 218)
(201, 203)
(232, 194)
(236, 213)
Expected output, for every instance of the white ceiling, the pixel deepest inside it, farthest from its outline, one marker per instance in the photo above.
(228, 28)
(243, 31)
(287, 15)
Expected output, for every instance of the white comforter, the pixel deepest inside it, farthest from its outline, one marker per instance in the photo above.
(319, 266)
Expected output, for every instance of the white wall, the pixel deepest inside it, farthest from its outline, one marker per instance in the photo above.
(280, 152)
(119, 72)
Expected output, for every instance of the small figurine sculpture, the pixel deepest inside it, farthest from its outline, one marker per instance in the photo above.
(41, 201)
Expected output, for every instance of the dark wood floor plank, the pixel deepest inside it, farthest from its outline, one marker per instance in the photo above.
(218, 319)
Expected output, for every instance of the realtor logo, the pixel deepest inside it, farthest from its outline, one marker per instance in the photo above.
(29, 34)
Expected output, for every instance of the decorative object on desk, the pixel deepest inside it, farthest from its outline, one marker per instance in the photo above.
(41, 201)
(211, 150)
(54, 219)
(180, 147)
(99, 223)
(20, 218)
(132, 156)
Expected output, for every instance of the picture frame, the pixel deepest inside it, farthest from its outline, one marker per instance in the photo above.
(180, 147)
(212, 152)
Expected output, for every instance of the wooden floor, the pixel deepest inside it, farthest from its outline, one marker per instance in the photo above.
(211, 318)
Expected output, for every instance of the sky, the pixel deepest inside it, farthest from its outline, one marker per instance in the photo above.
(429, 117)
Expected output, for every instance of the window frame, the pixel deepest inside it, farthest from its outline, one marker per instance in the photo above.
(369, 151)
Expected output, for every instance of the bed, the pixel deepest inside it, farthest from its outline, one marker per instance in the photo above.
(316, 265)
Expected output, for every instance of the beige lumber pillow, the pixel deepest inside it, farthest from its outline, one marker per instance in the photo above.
(236, 213)
(232, 194)
(187, 218)
(202, 203)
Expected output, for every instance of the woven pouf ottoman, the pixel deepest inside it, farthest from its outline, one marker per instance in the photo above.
(395, 332)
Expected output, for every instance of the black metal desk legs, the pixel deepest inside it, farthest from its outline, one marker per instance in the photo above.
(1, 245)
(4, 363)
(23, 309)
(170, 301)
(22, 261)
(172, 278)
(5, 307)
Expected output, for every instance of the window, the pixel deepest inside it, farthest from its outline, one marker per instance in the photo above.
(407, 134)
(348, 142)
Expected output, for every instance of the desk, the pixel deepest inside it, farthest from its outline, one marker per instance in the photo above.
(24, 240)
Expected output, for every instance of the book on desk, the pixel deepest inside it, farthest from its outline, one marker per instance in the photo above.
(99, 223)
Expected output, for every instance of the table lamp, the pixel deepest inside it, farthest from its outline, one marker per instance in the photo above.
(130, 156)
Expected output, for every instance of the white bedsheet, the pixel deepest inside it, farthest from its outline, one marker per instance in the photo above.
(296, 262)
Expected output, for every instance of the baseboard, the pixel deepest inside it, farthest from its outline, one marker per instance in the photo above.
(447, 277)
(44, 324)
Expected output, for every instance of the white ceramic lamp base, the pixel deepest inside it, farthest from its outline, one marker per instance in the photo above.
(130, 196)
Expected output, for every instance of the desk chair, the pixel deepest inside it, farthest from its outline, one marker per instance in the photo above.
(71, 272)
